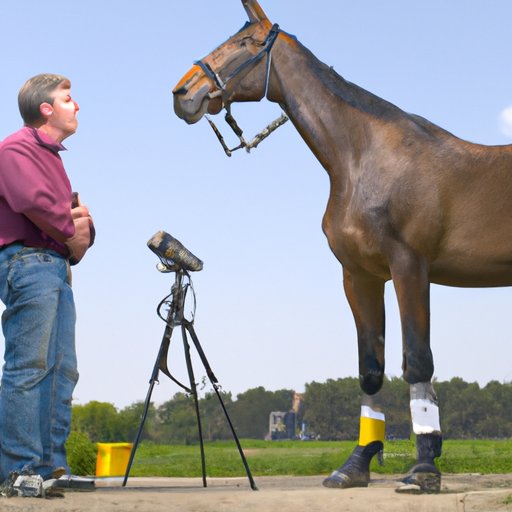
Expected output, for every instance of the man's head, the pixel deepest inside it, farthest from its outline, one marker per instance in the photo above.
(45, 102)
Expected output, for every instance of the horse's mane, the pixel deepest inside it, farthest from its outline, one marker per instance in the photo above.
(367, 102)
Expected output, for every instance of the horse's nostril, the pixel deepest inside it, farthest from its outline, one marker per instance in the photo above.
(180, 90)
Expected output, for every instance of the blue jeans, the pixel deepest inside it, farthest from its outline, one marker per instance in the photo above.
(40, 370)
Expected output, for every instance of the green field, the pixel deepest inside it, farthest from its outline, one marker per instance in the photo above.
(268, 458)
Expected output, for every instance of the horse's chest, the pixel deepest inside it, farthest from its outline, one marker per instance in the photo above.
(356, 239)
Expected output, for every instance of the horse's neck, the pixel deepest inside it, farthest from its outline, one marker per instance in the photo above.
(338, 120)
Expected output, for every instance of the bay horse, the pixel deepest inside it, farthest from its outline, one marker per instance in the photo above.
(409, 202)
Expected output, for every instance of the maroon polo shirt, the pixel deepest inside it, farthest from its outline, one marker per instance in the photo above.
(35, 193)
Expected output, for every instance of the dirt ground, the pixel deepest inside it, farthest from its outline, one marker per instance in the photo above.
(461, 493)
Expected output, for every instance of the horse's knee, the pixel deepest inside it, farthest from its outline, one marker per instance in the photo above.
(418, 366)
(371, 382)
(371, 372)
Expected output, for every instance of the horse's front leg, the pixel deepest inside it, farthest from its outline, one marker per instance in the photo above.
(424, 475)
(410, 278)
(366, 298)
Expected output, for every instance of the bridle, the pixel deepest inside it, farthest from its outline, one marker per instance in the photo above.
(267, 44)
(221, 90)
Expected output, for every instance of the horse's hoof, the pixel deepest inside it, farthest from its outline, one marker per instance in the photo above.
(337, 480)
(356, 470)
(423, 482)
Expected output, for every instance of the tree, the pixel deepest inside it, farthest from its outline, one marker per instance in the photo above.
(251, 410)
(214, 422)
(458, 409)
(498, 421)
(128, 422)
(177, 422)
(98, 420)
(394, 399)
(332, 409)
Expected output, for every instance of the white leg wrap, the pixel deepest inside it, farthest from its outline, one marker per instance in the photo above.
(368, 412)
(424, 409)
(425, 417)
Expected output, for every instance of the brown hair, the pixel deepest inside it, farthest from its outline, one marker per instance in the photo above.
(37, 90)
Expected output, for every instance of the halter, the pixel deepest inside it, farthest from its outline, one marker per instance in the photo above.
(267, 47)
(221, 84)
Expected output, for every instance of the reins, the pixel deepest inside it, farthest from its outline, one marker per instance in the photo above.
(221, 85)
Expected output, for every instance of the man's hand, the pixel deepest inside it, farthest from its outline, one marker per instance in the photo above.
(79, 211)
(80, 241)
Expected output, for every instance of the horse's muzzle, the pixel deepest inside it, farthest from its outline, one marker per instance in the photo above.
(191, 107)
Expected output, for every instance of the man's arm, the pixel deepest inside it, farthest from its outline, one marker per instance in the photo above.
(34, 191)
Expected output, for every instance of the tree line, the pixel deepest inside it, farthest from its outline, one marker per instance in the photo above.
(330, 410)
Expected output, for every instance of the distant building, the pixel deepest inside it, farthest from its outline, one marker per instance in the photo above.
(282, 425)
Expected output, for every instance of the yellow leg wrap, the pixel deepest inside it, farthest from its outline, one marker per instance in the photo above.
(370, 429)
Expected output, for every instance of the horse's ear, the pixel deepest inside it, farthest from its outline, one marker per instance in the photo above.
(254, 11)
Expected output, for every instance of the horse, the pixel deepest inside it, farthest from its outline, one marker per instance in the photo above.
(409, 202)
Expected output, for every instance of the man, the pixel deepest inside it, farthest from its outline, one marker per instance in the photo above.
(40, 232)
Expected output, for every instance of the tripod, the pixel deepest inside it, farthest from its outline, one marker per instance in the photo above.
(176, 318)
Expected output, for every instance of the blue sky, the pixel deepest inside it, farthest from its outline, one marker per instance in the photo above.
(270, 305)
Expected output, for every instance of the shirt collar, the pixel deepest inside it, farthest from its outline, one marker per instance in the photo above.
(46, 141)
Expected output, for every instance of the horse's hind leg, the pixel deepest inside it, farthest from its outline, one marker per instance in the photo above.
(366, 297)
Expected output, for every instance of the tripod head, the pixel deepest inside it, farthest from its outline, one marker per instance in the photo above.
(174, 256)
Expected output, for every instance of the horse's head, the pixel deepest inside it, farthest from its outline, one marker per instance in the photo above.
(238, 70)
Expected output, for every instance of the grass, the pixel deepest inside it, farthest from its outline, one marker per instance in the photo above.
(270, 458)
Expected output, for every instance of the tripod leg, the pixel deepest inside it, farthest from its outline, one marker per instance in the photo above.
(213, 380)
(160, 364)
(139, 433)
(193, 389)
(235, 437)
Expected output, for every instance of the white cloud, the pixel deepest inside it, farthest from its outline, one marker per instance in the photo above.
(506, 121)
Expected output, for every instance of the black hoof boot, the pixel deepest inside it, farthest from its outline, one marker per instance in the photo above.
(356, 471)
(424, 477)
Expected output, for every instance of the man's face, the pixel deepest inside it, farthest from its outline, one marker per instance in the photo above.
(62, 119)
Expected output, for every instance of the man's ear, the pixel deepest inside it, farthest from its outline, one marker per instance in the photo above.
(46, 110)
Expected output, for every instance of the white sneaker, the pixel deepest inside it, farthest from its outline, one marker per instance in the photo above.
(28, 486)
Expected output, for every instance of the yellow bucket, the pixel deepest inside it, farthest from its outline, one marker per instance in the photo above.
(112, 459)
